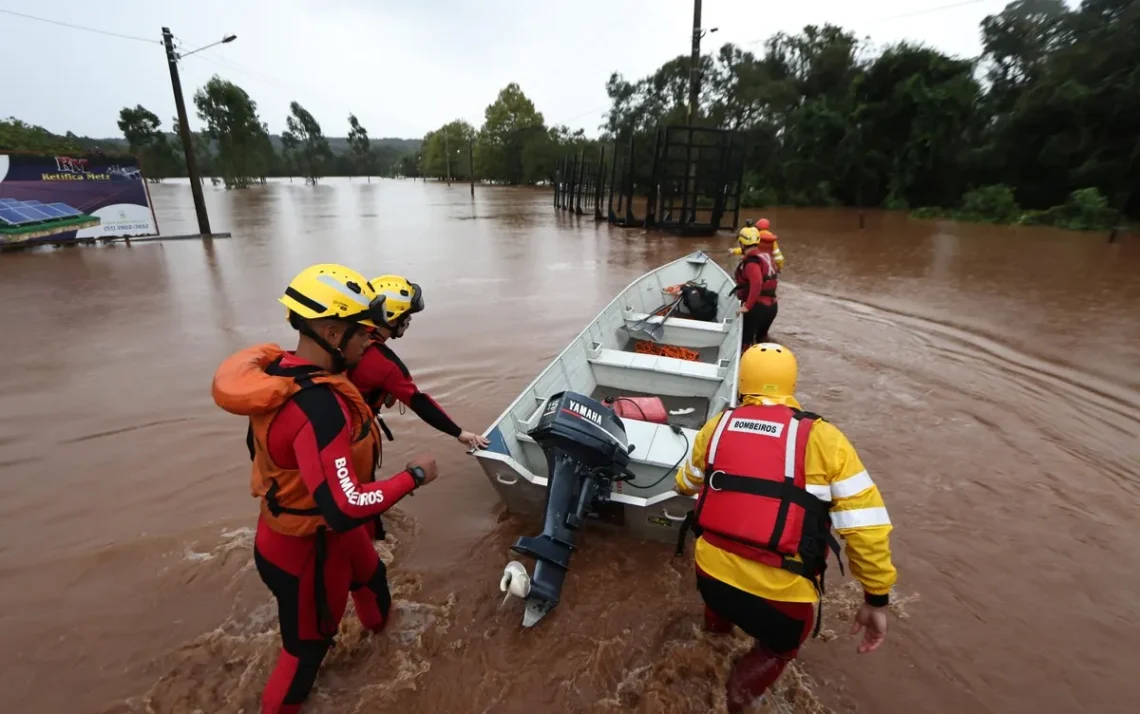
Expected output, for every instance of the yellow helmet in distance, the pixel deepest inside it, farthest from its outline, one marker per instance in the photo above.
(399, 297)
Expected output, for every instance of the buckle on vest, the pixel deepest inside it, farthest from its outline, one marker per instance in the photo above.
(709, 480)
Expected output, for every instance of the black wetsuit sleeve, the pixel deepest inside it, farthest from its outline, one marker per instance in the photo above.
(432, 413)
(398, 382)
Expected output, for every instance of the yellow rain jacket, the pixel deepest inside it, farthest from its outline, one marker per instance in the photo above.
(858, 514)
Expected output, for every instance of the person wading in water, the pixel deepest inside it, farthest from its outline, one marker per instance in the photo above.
(314, 449)
(756, 283)
(773, 480)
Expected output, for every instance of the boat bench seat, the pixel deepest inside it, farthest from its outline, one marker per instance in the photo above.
(680, 331)
(656, 363)
(655, 374)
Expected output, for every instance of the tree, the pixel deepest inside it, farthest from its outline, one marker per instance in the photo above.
(140, 126)
(16, 135)
(303, 136)
(444, 152)
(234, 127)
(361, 147)
(509, 123)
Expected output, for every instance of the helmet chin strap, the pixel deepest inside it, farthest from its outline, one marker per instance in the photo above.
(340, 362)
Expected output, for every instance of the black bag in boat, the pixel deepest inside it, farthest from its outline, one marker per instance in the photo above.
(699, 301)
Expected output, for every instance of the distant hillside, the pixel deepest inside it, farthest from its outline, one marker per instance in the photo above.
(338, 144)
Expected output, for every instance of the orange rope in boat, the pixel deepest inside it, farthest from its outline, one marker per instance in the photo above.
(651, 348)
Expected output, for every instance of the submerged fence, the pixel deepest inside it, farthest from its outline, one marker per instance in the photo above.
(690, 178)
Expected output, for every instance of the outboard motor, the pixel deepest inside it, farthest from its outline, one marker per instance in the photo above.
(586, 451)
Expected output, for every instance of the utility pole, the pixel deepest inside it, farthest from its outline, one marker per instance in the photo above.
(184, 132)
(695, 63)
(471, 164)
(447, 156)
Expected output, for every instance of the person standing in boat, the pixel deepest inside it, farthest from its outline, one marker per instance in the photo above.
(314, 449)
(756, 283)
(383, 378)
(773, 480)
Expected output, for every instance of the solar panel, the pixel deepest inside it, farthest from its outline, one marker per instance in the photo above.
(10, 217)
(31, 213)
(51, 211)
(66, 209)
(8, 201)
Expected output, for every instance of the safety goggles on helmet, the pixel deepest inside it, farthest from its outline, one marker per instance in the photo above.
(378, 308)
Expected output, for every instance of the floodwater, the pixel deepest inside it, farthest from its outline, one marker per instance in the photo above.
(990, 378)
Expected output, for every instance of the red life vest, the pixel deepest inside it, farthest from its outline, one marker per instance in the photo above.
(754, 502)
(767, 269)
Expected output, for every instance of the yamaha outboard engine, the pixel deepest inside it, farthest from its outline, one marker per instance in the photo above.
(586, 451)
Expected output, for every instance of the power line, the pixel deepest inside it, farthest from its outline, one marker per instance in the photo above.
(914, 13)
(935, 9)
(80, 27)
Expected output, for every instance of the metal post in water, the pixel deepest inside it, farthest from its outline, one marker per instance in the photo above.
(471, 164)
(613, 178)
(447, 156)
(581, 180)
(601, 185)
(557, 180)
(629, 217)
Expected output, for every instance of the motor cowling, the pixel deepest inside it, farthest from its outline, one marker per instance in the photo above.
(586, 449)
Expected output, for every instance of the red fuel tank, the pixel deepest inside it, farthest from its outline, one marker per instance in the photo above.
(641, 408)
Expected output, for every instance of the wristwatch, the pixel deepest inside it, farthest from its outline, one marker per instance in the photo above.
(418, 475)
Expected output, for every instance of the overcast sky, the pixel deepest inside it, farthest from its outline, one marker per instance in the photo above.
(402, 66)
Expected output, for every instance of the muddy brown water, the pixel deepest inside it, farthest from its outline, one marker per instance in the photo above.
(990, 378)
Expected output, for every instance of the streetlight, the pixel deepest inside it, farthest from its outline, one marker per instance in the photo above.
(172, 58)
(225, 40)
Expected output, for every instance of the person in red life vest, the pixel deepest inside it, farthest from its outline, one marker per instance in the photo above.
(383, 378)
(756, 282)
(314, 449)
(766, 236)
(773, 480)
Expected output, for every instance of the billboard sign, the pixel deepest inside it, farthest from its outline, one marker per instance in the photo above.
(56, 199)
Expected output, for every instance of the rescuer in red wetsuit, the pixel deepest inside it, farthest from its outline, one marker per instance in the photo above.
(314, 449)
(756, 282)
(383, 378)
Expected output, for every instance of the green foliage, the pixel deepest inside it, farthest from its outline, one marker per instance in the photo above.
(16, 135)
(989, 204)
(827, 121)
(242, 140)
(157, 154)
(446, 152)
(304, 141)
(361, 147)
(509, 124)
(1085, 210)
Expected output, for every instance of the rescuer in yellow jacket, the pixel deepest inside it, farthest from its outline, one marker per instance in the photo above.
(759, 232)
(769, 438)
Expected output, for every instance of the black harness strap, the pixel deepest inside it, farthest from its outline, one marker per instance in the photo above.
(326, 628)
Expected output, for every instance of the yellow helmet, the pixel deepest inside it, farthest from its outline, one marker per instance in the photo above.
(330, 291)
(748, 236)
(768, 369)
(399, 297)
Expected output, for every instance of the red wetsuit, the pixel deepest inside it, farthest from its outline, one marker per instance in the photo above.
(312, 436)
(381, 373)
